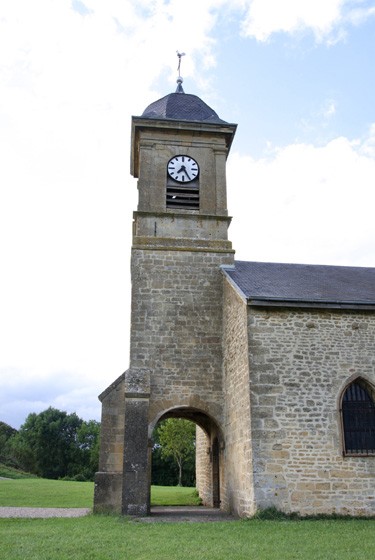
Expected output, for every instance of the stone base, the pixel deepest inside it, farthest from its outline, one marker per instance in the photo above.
(108, 492)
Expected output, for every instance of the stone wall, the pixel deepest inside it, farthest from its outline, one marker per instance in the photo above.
(300, 362)
(203, 467)
(176, 339)
(112, 427)
(176, 329)
(237, 490)
(108, 481)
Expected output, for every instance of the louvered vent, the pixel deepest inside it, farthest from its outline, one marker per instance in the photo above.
(183, 196)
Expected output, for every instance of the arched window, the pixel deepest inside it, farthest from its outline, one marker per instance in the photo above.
(358, 419)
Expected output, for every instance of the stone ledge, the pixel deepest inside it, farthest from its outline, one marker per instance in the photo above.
(170, 244)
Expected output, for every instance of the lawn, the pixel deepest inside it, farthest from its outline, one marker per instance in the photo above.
(39, 492)
(174, 496)
(115, 538)
(111, 537)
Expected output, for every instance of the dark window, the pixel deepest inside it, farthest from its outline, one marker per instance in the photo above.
(358, 417)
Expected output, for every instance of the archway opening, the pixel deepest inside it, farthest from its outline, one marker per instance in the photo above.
(173, 453)
(199, 441)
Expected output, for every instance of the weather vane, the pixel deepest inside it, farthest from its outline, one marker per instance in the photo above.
(179, 78)
(180, 55)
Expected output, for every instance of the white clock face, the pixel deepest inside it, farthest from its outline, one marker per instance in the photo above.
(183, 169)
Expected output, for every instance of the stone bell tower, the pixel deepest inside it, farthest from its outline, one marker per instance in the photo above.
(179, 148)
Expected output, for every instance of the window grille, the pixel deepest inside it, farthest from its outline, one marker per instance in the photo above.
(358, 416)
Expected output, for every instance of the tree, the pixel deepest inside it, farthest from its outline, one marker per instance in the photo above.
(47, 443)
(88, 437)
(6, 435)
(177, 440)
(164, 469)
(55, 444)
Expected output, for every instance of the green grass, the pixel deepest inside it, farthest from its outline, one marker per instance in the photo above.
(111, 537)
(116, 538)
(174, 496)
(40, 492)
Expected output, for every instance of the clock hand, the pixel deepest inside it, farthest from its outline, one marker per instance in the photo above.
(183, 170)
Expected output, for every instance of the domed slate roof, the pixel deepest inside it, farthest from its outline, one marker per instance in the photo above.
(183, 107)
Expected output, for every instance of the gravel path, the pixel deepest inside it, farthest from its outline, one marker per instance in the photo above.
(43, 512)
(178, 514)
(158, 514)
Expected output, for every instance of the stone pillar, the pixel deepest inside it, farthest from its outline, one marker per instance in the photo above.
(136, 483)
(215, 453)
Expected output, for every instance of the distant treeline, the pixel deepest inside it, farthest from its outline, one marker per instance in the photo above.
(52, 444)
(55, 444)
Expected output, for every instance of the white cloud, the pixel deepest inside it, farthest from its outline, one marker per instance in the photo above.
(305, 204)
(25, 391)
(329, 109)
(327, 19)
(361, 11)
(367, 145)
(265, 17)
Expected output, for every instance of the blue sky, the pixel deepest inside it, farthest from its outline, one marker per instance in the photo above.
(298, 78)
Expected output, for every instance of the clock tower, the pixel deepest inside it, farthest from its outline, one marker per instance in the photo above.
(179, 148)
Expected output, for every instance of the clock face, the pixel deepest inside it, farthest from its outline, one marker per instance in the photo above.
(183, 169)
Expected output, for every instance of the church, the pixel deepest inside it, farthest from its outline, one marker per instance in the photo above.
(275, 363)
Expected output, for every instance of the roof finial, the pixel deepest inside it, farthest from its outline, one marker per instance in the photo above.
(179, 79)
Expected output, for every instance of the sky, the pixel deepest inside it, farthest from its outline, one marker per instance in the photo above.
(297, 77)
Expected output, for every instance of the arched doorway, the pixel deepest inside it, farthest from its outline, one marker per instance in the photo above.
(209, 442)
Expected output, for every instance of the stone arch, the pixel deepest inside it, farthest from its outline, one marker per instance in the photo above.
(351, 379)
(209, 443)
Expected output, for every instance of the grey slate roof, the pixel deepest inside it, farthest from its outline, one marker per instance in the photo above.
(182, 106)
(304, 285)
